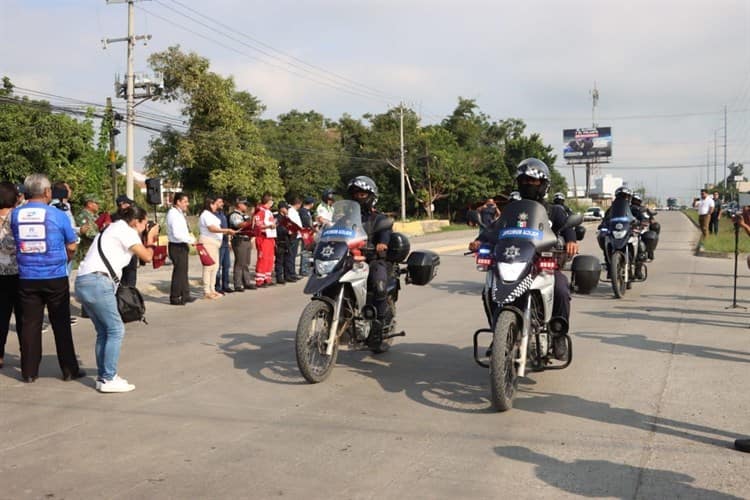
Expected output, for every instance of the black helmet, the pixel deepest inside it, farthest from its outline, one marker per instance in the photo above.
(623, 192)
(531, 168)
(559, 198)
(363, 183)
(637, 198)
(327, 195)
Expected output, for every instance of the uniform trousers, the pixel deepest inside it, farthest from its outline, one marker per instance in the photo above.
(266, 256)
(242, 249)
(55, 295)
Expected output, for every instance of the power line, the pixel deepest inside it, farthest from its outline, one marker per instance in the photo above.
(286, 55)
(255, 58)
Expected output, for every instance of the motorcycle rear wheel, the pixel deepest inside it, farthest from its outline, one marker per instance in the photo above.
(310, 342)
(617, 273)
(503, 370)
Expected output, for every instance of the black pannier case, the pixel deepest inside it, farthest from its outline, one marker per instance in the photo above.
(422, 266)
(585, 272)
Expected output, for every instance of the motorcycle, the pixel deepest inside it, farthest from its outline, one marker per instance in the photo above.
(625, 252)
(341, 310)
(518, 298)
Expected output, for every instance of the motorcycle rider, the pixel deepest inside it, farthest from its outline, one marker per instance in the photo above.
(364, 191)
(533, 179)
(559, 199)
(621, 193)
(644, 214)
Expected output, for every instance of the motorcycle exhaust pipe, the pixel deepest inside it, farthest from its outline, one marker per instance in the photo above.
(334, 323)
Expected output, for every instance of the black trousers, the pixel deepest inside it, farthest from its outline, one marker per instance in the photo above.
(34, 296)
(180, 289)
(284, 262)
(9, 303)
(377, 281)
(130, 273)
(713, 225)
(561, 304)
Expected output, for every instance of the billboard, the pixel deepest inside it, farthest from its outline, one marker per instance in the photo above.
(582, 143)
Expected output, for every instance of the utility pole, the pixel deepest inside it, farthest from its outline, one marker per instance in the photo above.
(403, 177)
(129, 93)
(726, 174)
(715, 163)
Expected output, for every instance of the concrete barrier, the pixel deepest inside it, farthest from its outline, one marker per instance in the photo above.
(420, 227)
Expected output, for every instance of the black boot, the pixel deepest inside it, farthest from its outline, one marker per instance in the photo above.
(560, 346)
(376, 334)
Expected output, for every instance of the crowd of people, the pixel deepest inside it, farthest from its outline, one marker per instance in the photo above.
(41, 239)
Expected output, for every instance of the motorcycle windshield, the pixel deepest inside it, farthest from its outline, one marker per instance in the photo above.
(525, 221)
(620, 212)
(347, 224)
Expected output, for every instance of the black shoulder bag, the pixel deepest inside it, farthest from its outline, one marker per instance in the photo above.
(130, 302)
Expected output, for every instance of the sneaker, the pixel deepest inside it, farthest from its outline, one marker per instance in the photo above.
(117, 384)
(45, 327)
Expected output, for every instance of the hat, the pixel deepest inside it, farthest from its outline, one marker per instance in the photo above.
(91, 197)
(121, 199)
(240, 199)
(283, 204)
(308, 200)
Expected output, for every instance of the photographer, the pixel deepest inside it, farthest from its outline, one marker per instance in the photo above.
(95, 289)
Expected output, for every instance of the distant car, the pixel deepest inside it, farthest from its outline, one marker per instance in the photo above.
(593, 214)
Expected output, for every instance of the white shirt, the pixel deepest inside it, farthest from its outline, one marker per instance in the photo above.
(293, 216)
(705, 205)
(116, 242)
(326, 212)
(177, 227)
(209, 219)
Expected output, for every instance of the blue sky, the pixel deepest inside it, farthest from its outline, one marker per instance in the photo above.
(664, 69)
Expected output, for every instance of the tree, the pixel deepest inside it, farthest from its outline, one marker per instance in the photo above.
(221, 150)
(34, 139)
(308, 151)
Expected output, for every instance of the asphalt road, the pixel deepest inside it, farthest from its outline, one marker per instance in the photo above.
(649, 408)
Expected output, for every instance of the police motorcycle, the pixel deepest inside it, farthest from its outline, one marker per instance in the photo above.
(518, 298)
(625, 252)
(339, 311)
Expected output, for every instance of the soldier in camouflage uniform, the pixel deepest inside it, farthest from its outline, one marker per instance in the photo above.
(86, 223)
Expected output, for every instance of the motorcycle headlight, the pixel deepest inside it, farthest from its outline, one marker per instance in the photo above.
(510, 271)
(323, 267)
(619, 234)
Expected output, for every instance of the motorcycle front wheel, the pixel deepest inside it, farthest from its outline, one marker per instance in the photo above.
(311, 339)
(617, 273)
(503, 370)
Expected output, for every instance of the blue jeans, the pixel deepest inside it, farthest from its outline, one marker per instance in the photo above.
(222, 274)
(96, 293)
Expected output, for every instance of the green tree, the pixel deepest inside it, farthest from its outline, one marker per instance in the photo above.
(221, 151)
(307, 149)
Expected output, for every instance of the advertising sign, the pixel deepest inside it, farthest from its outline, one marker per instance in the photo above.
(582, 143)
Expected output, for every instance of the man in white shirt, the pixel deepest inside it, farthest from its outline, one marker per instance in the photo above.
(705, 209)
(293, 215)
(180, 238)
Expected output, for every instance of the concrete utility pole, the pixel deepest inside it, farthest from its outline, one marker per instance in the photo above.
(129, 93)
(715, 162)
(726, 173)
(403, 177)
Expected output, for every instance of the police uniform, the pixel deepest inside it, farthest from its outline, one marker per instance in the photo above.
(241, 246)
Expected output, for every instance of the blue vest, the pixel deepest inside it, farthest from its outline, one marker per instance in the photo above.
(41, 233)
